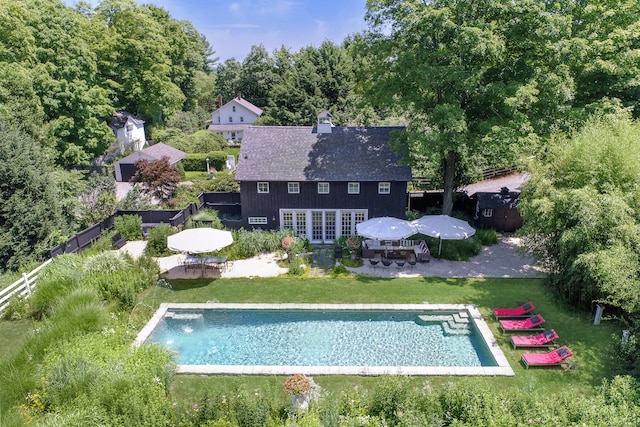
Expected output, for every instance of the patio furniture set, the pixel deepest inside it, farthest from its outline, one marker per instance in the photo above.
(204, 263)
(398, 252)
(522, 319)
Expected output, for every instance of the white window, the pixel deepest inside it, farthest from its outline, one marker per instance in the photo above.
(230, 119)
(354, 188)
(129, 128)
(242, 118)
(384, 188)
(263, 187)
(233, 108)
(294, 187)
(487, 213)
(233, 135)
(257, 220)
(218, 119)
(323, 188)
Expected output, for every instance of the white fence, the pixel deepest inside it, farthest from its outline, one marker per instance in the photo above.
(22, 287)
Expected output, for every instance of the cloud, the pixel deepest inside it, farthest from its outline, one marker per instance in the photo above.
(234, 7)
(235, 26)
(276, 7)
(321, 28)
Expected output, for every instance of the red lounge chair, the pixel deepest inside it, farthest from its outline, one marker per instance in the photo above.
(545, 339)
(522, 311)
(529, 324)
(553, 358)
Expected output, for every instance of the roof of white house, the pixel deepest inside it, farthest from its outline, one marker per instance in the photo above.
(120, 118)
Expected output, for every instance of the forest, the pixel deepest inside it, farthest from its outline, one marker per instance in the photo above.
(552, 87)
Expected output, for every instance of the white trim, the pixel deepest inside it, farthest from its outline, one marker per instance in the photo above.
(327, 186)
(263, 190)
(257, 220)
(293, 187)
(487, 213)
(356, 186)
(384, 187)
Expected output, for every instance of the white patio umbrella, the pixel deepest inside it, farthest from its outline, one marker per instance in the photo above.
(199, 240)
(385, 228)
(443, 227)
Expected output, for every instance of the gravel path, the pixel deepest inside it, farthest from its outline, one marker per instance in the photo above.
(501, 260)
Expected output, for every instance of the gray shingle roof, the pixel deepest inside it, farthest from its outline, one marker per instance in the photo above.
(298, 153)
(155, 152)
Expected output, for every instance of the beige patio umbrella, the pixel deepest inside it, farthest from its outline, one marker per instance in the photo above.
(199, 240)
(443, 227)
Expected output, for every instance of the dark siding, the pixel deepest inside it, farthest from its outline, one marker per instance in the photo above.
(128, 171)
(268, 205)
(503, 219)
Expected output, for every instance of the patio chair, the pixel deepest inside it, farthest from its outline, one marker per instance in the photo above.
(505, 313)
(411, 260)
(529, 324)
(386, 262)
(555, 357)
(374, 261)
(544, 340)
(400, 262)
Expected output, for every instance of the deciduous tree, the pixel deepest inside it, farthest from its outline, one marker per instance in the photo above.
(158, 177)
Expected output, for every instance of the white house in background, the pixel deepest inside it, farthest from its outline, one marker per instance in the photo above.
(231, 119)
(129, 131)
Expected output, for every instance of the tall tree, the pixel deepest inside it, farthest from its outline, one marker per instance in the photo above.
(582, 212)
(258, 76)
(470, 76)
(229, 79)
(29, 214)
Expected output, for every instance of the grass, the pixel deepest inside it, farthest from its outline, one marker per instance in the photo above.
(592, 345)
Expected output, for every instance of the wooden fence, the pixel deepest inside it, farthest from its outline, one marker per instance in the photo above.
(485, 174)
(21, 288)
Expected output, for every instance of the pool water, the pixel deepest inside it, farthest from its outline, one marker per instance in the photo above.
(322, 338)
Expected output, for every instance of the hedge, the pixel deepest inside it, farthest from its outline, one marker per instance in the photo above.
(198, 162)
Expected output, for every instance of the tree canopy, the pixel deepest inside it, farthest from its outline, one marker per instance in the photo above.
(65, 71)
(582, 213)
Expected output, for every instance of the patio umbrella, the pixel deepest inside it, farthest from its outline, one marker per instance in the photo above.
(386, 228)
(443, 227)
(199, 240)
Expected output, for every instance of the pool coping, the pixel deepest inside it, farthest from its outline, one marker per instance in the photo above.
(503, 368)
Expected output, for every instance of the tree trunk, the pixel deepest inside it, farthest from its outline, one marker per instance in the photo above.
(449, 182)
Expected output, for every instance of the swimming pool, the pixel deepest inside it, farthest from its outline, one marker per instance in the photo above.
(360, 339)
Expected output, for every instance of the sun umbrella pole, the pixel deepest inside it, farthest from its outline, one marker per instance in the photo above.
(440, 247)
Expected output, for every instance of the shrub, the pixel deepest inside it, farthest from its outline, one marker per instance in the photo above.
(54, 281)
(17, 309)
(129, 226)
(339, 270)
(207, 217)
(105, 262)
(198, 162)
(157, 240)
(486, 237)
(296, 265)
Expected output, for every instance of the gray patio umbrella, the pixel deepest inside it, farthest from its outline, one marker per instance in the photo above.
(199, 240)
(386, 228)
(443, 227)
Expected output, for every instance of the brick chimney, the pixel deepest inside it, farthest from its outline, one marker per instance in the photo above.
(219, 101)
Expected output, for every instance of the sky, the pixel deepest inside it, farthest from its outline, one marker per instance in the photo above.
(233, 26)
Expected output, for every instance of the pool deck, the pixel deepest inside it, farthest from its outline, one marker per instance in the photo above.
(503, 368)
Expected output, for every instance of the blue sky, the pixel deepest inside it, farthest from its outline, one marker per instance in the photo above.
(233, 26)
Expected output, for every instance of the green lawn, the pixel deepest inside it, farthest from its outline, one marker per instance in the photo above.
(592, 345)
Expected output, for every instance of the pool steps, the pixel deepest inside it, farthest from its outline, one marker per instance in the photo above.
(452, 324)
(183, 316)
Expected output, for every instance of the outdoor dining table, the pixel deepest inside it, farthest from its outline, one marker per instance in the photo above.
(204, 262)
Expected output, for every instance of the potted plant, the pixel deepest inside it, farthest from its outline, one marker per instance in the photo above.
(298, 386)
(353, 243)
